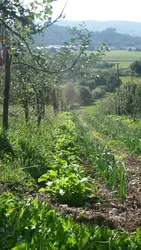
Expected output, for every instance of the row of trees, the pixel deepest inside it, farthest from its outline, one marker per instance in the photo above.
(36, 78)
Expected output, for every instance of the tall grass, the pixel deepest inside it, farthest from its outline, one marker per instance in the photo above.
(26, 149)
(100, 158)
(114, 128)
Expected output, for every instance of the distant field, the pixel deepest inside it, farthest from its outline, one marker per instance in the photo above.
(122, 64)
(124, 57)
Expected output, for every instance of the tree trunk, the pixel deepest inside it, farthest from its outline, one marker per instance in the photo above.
(26, 110)
(55, 105)
(6, 90)
(39, 115)
(43, 108)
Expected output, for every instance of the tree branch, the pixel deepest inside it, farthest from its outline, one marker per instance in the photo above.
(48, 71)
(22, 38)
(50, 24)
(33, 33)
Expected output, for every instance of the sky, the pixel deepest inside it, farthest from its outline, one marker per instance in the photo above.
(100, 10)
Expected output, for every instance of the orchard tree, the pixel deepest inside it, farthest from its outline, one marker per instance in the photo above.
(19, 22)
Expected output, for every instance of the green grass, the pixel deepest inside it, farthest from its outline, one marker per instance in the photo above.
(54, 149)
(123, 53)
(55, 155)
(132, 79)
(122, 64)
(121, 56)
(100, 158)
(90, 109)
(120, 133)
(115, 129)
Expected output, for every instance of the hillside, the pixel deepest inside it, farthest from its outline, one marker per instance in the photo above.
(124, 27)
(57, 35)
(115, 39)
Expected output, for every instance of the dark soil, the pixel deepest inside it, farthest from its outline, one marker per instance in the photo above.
(113, 212)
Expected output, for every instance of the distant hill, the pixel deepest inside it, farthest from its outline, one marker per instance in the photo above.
(124, 27)
(57, 35)
(116, 40)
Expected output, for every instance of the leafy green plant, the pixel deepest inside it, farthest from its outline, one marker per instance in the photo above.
(69, 184)
(66, 179)
(29, 224)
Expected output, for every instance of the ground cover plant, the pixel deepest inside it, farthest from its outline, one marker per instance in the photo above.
(28, 224)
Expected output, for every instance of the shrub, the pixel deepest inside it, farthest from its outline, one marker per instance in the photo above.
(85, 95)
(89, 83)
(97, 93)
(109, 80)
(136, 67)
(104, 65)
(126, 101)
(113, 82)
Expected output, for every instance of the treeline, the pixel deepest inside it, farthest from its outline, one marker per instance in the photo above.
(124, 27)
(57, 35)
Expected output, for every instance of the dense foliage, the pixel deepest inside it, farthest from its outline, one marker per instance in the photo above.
(136, 67)
(28, 224)
(126, 101)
